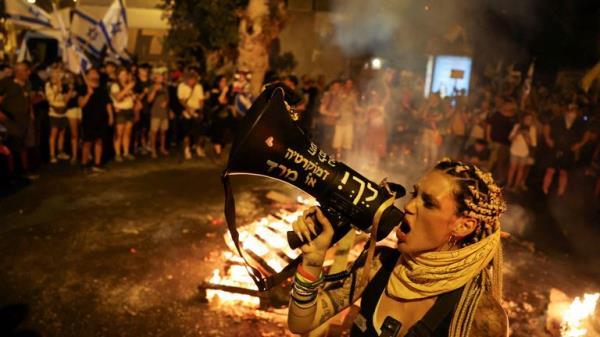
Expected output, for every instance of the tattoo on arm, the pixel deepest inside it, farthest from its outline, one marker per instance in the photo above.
(327, 312)
(310, 263)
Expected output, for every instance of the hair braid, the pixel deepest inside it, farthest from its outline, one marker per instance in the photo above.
(477, 197)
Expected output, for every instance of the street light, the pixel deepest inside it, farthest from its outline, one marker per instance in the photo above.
(376, 63)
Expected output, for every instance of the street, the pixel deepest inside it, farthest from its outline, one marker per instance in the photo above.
(121, 254)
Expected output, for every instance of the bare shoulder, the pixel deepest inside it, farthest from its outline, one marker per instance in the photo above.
(490, 319)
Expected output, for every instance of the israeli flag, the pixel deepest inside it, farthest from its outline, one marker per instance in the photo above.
(26, 14)
(114, 27)
(75, 59)
(72, 56)
(87, 32)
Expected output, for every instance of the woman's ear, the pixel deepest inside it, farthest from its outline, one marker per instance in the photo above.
(464, 226)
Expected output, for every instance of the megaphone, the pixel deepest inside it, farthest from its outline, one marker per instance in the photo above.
(270, 144)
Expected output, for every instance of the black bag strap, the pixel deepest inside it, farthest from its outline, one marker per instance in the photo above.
(443, 306)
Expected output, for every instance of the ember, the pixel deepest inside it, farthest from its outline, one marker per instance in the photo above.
(577, 315)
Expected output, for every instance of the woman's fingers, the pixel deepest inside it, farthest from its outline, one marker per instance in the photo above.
(310, 223)
(327, 227)
(301, 229)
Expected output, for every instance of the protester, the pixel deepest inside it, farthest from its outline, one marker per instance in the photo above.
(442, 277)
(109, 75)
(343, 136)
(241, 91)
(457, 136)
(498, 128)
(523, 140)
(143, 84)
(97, 116)
(328, 115)
(17, 116)
(376, 135)
(431, 114)
(73, 115)
(311, 97)
(191, 96)
(219, 105)
(5, 71)
(58, 95)
(158, 100)
(564, 136)
(478, 154)
(123, 99)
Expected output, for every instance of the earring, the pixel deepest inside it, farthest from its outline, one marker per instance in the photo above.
(451, 241)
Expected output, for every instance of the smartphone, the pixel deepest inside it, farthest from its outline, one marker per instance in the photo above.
(390, 327)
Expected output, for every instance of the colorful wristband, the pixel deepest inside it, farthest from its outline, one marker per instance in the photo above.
(310, 277)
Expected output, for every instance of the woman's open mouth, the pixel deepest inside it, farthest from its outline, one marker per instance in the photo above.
(404, 227)
(402, 231)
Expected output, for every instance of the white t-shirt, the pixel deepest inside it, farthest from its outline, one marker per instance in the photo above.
(126, 103)
(518, 145)
(56, 99)
(191, 96)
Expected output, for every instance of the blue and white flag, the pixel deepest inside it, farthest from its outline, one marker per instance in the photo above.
(26, 14)
(75, 59)
(87, 32)
(72, 56)
(114, 26)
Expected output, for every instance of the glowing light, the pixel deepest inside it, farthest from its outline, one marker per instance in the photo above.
(376, 63)
(31, 1)
(574, 318)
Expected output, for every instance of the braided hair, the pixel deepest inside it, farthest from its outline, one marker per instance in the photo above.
(477, 196)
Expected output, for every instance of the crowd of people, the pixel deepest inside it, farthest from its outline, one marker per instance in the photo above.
(116, 113)
(497, 126)
(113, 113)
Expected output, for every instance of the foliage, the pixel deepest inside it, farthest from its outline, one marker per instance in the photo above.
(201, 28)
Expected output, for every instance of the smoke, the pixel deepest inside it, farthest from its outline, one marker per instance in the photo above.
(365, 26)
(397, 28)
(516, 220)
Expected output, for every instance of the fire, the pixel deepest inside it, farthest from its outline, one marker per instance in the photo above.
(574, 318)
(263, 239)
(231, 280)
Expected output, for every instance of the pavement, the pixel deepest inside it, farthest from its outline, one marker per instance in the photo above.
(121, 253)
(115, 254)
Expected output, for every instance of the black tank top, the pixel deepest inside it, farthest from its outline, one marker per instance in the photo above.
(435, 323)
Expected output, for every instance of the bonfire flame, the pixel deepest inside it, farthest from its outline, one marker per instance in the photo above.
(264, 239)
(574, 319)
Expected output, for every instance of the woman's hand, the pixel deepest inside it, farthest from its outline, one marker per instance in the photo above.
(313, 252)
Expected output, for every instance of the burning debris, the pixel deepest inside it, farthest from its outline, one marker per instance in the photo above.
(264, 242)
(573, 318)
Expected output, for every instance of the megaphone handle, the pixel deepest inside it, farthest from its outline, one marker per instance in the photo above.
(295, 241)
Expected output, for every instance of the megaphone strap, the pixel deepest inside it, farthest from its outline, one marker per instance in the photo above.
(230, 217)
(263, 283)
(364, 277)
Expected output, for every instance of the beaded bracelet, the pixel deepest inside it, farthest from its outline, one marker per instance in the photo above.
(304, 304)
